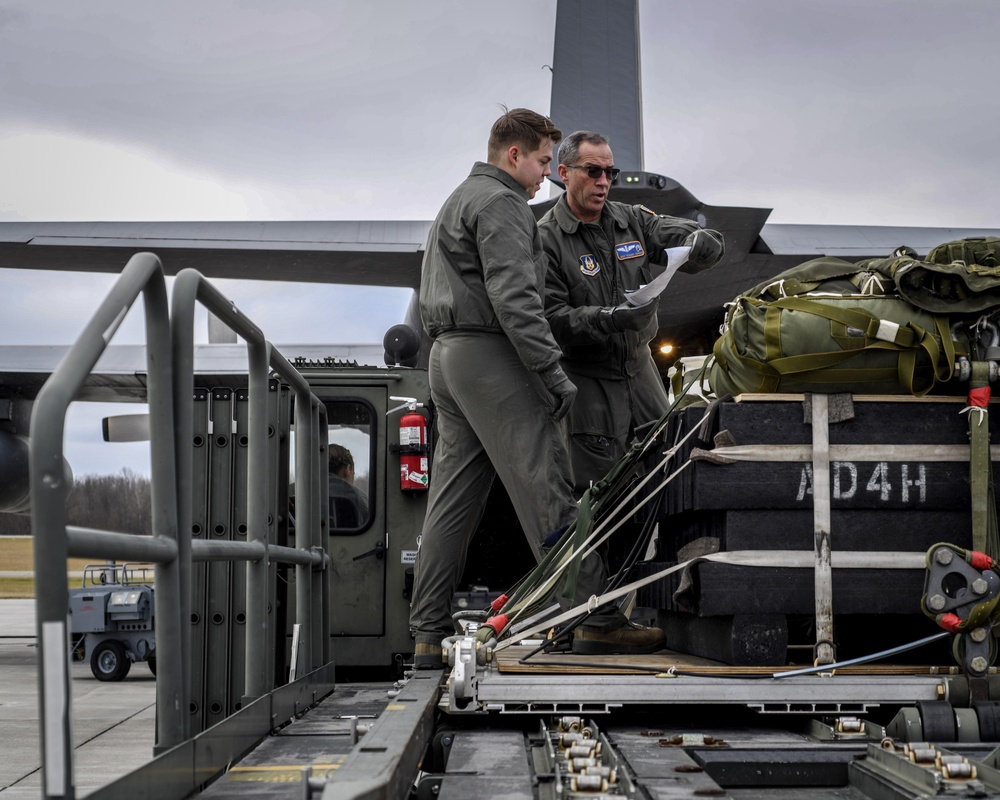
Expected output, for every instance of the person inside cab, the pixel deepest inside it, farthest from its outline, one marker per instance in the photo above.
(348, 504)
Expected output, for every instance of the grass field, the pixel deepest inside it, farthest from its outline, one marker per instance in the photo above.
(17, 554)
(17, 588)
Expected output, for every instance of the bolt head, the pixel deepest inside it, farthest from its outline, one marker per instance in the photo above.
(978, 634)
(980, 586)
(936, 602)
(979, 664)
(943, 556)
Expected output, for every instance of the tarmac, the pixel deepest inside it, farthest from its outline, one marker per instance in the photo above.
(113, 723)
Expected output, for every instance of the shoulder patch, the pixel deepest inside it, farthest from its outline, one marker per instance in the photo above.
(627, 250)
(589, 265)
(647, 210)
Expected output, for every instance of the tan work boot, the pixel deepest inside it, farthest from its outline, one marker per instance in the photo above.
(428, 656)
(630, 638)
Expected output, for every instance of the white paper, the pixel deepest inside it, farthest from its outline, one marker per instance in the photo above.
(676, 256)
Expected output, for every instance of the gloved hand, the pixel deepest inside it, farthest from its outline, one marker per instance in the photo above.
(628, 318)
(706, 248)
(562, 389)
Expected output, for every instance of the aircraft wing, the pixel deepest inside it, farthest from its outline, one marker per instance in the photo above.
(120, 373)
(860, 241)
(378, 253)
(386, 253)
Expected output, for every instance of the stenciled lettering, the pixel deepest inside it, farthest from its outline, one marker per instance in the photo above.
(920, 482)
(839, 492)
(805, 482)
(911, 486)
(879, 481)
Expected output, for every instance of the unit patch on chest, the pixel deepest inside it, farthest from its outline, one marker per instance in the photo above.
(627, 250)
(589, 265)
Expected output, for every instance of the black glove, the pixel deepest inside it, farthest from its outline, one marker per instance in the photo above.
(562, 389)
(706, 248)
(628, 318)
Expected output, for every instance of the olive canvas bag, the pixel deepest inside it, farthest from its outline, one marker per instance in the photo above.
(830, 325)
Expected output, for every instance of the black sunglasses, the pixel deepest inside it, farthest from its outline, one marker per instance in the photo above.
(594, 171)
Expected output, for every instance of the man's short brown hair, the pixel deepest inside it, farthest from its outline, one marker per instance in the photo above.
(522, 127)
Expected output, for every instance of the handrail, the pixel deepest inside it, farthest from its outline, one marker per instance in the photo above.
(170, 368)
(49, 488)
(190, 287)
(90, 543)
(129, 573)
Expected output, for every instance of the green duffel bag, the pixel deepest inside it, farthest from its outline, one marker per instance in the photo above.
(832, 326)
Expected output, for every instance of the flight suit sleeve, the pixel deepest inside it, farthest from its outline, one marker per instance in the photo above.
(662, 232)
(573, 321)
(510, 250)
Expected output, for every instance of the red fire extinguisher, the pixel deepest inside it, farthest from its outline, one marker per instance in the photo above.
(414, 453)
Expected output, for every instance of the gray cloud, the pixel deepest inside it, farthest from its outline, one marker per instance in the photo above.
(848, 112)
(288, 93)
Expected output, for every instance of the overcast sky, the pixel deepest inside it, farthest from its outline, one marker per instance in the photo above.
(855, 111)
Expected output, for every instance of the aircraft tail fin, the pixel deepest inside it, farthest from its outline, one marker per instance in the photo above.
(597, 57)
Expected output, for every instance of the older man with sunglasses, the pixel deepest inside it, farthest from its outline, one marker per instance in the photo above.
(597, 250)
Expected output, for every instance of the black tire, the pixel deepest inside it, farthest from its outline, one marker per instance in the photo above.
(109, 661)
(152, 664)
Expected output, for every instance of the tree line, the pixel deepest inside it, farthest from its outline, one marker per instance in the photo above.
(119, 503)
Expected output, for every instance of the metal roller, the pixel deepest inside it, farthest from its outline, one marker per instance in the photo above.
(967, 725)
(958, 771)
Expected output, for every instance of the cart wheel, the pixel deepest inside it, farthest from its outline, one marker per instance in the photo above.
(152, 664)
(109, 661)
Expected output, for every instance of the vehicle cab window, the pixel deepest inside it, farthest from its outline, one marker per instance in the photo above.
(350, 442)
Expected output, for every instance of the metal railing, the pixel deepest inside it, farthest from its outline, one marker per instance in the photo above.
(170, 366)
(191, 287)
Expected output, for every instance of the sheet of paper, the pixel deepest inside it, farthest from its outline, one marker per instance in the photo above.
(676, 256)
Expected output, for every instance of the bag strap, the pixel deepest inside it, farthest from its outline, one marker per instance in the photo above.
(806, 277)
(872, 327)
(908, 340)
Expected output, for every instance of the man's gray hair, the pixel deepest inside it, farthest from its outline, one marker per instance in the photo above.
(569, 150)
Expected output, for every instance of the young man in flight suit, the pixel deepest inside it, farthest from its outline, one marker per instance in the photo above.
(597, 250)
(495, 379)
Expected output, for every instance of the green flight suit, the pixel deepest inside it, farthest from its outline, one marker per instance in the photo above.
(590, 267)
(481, 302)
